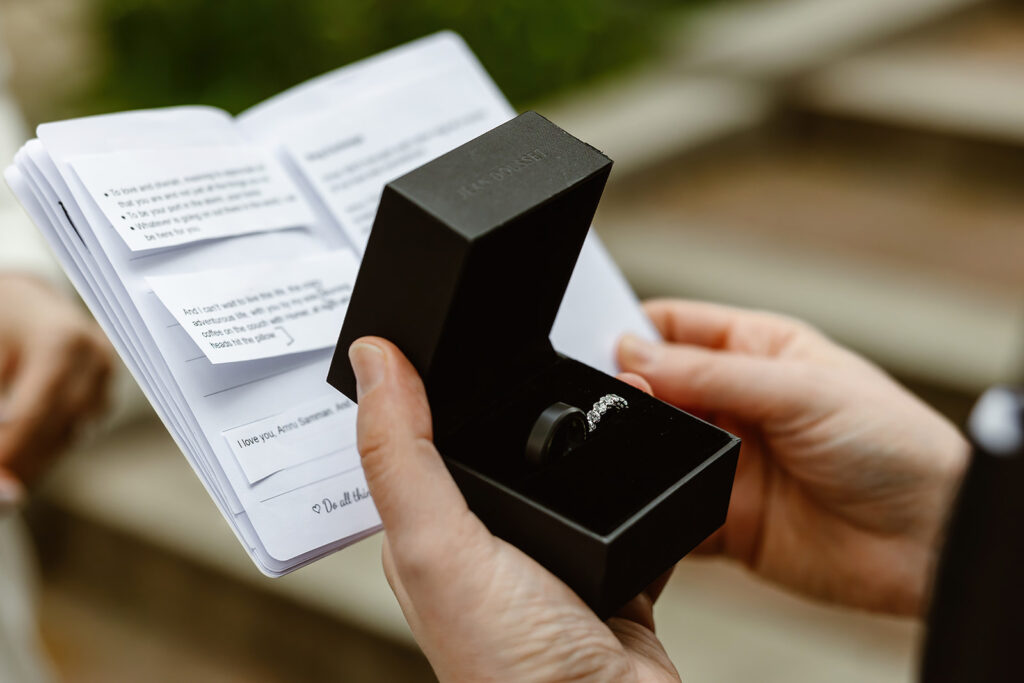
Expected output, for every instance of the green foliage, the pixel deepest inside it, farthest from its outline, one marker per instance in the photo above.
(234, 53)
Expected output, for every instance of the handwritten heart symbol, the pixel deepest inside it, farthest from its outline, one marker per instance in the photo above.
(316, 508)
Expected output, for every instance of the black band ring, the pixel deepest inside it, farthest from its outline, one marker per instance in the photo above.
(559, 429)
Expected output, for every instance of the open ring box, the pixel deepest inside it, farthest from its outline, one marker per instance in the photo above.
(465, 269)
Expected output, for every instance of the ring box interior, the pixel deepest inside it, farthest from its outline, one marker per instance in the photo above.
(465, 270)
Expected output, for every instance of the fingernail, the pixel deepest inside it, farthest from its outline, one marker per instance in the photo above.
(368, 364)
(12, 495)
(637, 352)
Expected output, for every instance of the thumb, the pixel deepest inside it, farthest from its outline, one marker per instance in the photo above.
(411, 487)
(752, 389)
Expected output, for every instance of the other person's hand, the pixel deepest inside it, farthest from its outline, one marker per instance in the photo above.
(844, 477)
(55, 365)
(480, 609)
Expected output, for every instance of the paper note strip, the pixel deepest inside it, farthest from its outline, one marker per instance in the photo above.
(261, 311)
(311, 430)
(165, 197)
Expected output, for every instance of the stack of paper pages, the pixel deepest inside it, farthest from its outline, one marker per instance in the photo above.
(219, 253)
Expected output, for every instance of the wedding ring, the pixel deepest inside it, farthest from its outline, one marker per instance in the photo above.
(603, 405)
(562, 427)
(558, 430)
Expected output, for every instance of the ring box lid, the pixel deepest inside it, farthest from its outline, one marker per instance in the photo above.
(469, 259)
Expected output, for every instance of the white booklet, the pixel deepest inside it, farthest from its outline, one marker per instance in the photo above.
(219, 253)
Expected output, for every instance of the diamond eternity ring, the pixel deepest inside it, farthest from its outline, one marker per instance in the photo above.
(603, 405)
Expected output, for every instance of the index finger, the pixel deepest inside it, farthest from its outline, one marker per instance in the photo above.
(24, 412)
(715, 326)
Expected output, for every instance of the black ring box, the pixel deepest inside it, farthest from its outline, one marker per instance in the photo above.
(464, 271)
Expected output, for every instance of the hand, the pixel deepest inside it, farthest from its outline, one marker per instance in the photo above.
(54, 369)
(479, 608)
(844, 478)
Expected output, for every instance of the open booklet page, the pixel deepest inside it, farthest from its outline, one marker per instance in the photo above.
(219, 256)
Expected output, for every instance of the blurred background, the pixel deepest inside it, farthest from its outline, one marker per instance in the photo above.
(857, 163)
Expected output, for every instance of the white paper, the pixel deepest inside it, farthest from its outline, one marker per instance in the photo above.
(158, 198)
(261, 311)
(350, 173)
(297, 436)
(392, 117)
(597, 309)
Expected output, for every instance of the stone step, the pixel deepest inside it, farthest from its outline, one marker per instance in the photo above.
(778, 40)
(962, 79)
(117, 607)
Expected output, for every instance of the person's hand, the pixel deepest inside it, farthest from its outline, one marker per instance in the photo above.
(844, 478)
(54, 369)
(481, 609)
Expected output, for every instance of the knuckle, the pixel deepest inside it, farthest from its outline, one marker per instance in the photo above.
(372, 437)
(387, 561)
(69, 342)
(373, 452)
(104, 364)
(787, 333)
(802, 329)
(72, 335)
(784, 322)
(422, 423)
(418, 559)
(73, 355)
(424, 447)
(701, 376)
(95, 346)
(414, 559)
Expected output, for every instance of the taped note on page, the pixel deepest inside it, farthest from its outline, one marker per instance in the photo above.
(311, 430)
(261, 311)
(160, 198)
